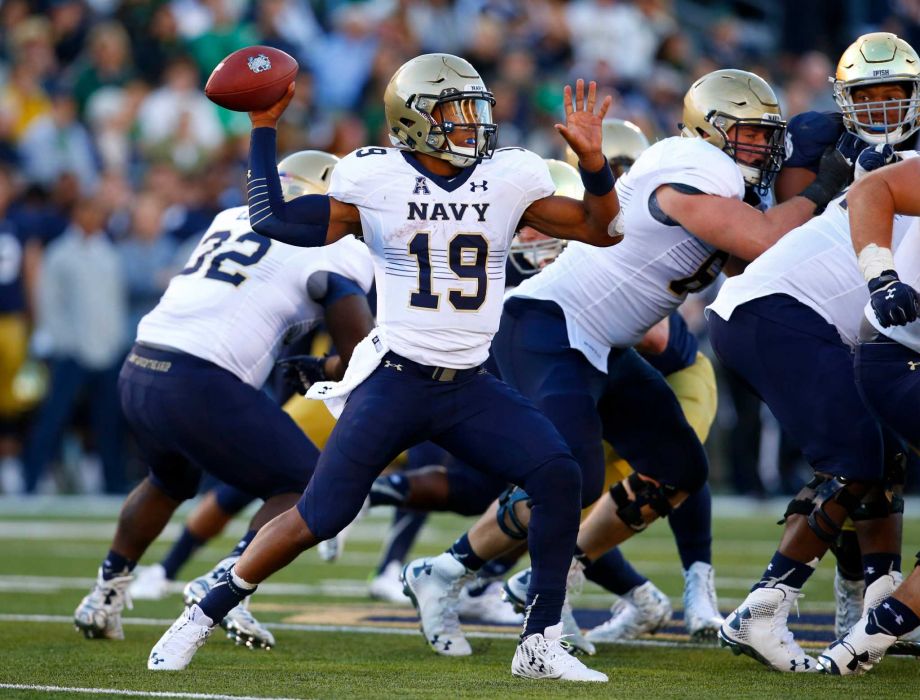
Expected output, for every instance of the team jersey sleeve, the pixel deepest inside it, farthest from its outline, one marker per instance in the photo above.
(808, 135)
(698, 166)
(537, 184)
(359, 174)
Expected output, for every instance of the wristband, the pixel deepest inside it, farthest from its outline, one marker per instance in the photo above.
(599, 183)
(874, 260)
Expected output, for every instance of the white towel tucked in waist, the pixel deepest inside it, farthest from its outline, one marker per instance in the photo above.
(364, 360)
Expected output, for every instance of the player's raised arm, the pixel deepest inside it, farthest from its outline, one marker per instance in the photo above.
(589, 219)
(303, 221)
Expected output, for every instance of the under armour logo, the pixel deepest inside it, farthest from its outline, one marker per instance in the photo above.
(397, 367)
(445, 645)
(744, 614)
(484, 186)
(805, 663)
(913, 365)
(421, 186)
(157, 659)
(890, 293)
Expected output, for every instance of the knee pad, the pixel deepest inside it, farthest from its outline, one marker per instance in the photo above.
(636, 491)
(816, 494)
(885, 499)
(507, 519)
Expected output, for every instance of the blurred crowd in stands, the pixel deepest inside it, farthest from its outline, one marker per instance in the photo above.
(113, 162)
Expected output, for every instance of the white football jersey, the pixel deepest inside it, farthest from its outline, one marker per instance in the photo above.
(612, 296)
(241, 296)
(907, 263)
(814, 264)
(439, 245)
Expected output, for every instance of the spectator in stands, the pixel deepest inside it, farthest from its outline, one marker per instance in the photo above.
(82, 307)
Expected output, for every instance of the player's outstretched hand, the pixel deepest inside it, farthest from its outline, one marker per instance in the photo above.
(269, 117)
(582, 128)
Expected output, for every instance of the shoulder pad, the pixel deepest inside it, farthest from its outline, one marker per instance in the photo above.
(808, 135)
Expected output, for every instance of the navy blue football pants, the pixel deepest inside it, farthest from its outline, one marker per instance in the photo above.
(476, 418)
(888, 377)
(190, 416)
(631, 405)
(796, 362)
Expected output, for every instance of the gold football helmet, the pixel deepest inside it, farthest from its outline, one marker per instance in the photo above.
(741, 103)
(875, 59)
(306, 172)
(532, 250)
(621, 143)
(432, 101)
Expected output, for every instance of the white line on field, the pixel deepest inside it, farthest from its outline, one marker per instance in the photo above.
(132, 693)
(352, 629)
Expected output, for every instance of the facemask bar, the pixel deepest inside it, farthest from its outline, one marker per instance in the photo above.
(466, 112)
(771, 154)
(529, 257)
(872, 121)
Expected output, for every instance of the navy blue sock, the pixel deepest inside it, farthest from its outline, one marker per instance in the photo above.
(691, 524)
(182, 550)
(612, 572)
(390, 490)
(116, 565)
(463, 552)
(892, 617)
(542, 612)
(243, 543)
(877, 565)
(403, 531)
(223, 597)
(782, 569)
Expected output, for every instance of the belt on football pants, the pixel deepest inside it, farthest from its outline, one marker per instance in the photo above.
(439, 374)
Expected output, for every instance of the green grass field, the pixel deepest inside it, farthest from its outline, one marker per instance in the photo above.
(334, 642)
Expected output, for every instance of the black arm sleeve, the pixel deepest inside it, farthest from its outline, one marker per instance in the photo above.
(302, 221)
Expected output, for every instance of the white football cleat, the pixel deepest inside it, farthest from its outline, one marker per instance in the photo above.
(547, 656)
(150, 583)
(515, 590)
(241, 627)
(196, 589)
(701, 608)
(758, 628)
(643, 610)
(98, 615)
(388, 585)
(178, 645)
(881, 588)
(245, 630)
(848, 597)
(861, 649)
(482, 601)
(433, 585)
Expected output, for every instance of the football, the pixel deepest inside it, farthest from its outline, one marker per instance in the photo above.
(251, 79)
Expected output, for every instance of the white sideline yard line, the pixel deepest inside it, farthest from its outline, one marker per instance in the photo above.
(348, 629)
(131, 693)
